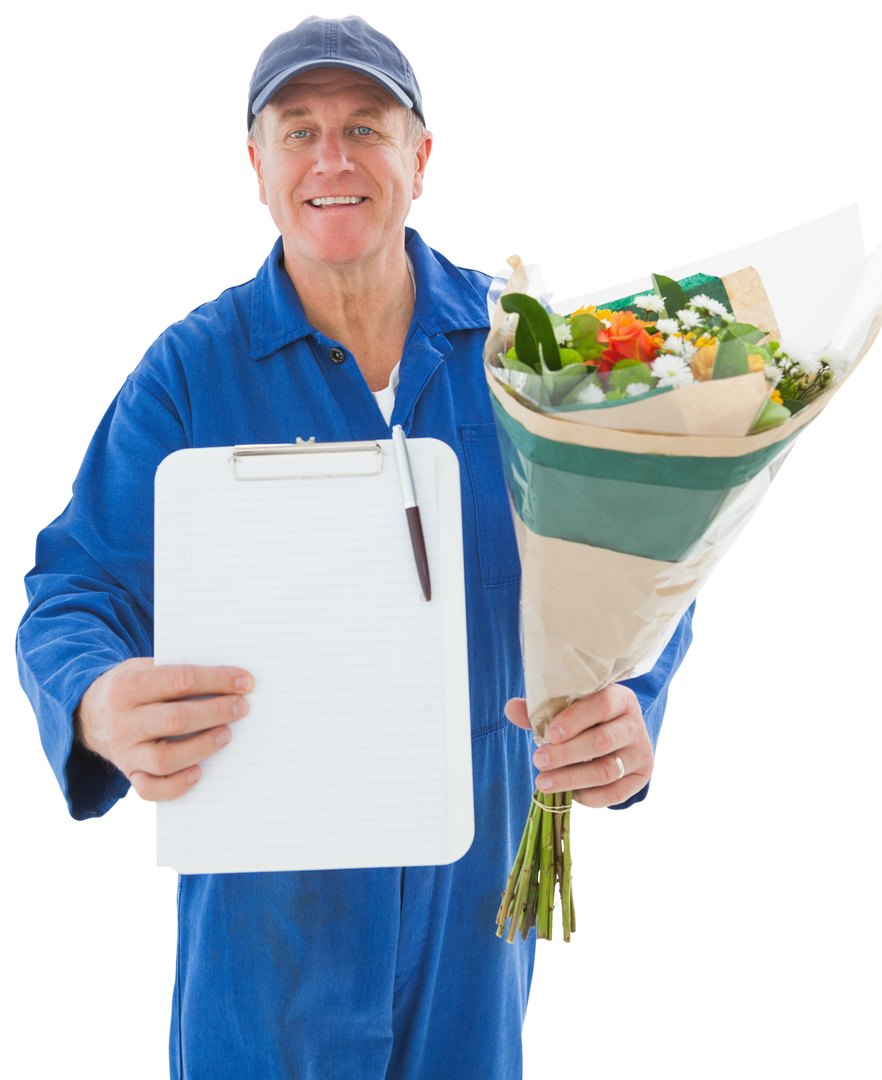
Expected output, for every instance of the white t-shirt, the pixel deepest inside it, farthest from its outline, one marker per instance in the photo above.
(385, 398)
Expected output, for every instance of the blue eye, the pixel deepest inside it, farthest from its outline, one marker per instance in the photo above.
(362, 130)
(300, 134)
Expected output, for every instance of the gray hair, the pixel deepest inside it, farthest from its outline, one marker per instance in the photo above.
(415, 129)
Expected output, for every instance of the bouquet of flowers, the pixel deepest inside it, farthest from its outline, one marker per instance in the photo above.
(637, 439)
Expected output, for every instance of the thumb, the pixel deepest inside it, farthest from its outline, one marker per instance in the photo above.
(516, 712)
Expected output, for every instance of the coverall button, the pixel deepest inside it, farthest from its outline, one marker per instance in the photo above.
(337, 355)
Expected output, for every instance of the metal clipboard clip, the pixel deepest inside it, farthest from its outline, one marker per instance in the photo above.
(306, 460)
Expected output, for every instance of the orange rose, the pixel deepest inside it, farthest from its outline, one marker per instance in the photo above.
(626, 339)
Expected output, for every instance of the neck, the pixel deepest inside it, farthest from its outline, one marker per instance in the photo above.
(355, 305)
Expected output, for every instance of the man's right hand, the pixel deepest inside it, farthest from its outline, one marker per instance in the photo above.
(129, 714)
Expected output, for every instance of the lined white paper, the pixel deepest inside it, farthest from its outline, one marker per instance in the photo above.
(312, 586)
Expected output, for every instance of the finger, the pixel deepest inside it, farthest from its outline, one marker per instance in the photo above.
(589, 711)
(593, 744)
(516, 712)
(171, 719)
(164, 767)
(599, 798)
(165, 788)
(171, 682)
(603, 772)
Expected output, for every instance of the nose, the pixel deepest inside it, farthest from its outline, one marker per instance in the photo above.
(330, 156)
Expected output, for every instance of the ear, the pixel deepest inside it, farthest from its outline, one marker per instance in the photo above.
(253, 154)
(422, 156)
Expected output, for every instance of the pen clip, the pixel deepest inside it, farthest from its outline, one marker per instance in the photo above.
(402, 459)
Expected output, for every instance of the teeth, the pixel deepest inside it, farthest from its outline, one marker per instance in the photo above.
(333, 199)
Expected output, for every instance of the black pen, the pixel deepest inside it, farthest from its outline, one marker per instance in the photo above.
(411, 509)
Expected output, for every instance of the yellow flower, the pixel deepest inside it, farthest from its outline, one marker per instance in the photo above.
(591, 310)
(703, 362)
(755, 362)
(776, 397)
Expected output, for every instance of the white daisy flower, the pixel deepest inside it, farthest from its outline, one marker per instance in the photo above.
(774, 374)
(668, 326)
(680, 346)
(649, 302)
(563, 335)
(689, 319)
(708, 304)
(672, 371)
(809, 361)
(634, 389)
(837, 360)
(590, 395)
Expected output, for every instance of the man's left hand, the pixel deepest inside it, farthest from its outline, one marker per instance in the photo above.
(585, 741)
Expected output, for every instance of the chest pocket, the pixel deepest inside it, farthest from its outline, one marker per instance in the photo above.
(497, 548)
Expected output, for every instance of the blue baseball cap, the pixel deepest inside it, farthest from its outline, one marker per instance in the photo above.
(344, 43)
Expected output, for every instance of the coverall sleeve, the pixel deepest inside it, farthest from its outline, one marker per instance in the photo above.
(91, 591)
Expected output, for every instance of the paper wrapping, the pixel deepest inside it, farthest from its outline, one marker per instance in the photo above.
(591, 614)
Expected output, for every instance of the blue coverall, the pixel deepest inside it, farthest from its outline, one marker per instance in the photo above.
(317, 975)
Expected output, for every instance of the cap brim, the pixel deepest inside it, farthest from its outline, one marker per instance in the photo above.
(272, 88)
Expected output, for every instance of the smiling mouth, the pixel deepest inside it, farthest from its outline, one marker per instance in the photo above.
(337, 200)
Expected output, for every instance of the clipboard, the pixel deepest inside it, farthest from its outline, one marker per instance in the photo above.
(294, 561)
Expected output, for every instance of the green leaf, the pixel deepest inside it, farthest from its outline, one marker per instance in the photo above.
(584, 330)
(626, 372)
(731, 359)
(572, 397)
(793, 406)
(771, 415)
(557, 384)
(513, 364)
(669, 290)
(584, 326)
(534, 329)
(743, 331)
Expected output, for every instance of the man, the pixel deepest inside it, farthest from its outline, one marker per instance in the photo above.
(352, 324)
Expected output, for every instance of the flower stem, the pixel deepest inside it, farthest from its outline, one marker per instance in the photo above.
(511, 885)
(546, 871)
(525, 874)
(529, 920)
(566, 881)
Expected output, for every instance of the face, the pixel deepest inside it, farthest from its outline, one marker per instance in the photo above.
(329, 134)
